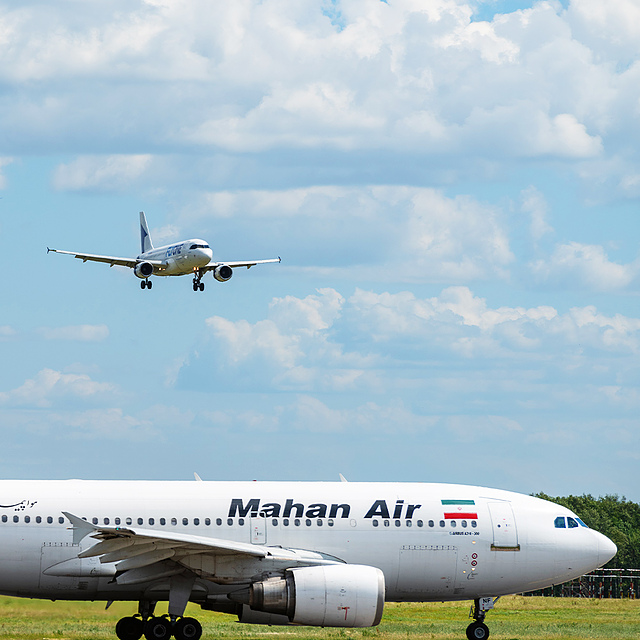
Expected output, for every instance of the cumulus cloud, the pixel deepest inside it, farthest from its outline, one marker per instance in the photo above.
(80, 333)
(585, 265)
(50, 386)
(359, 77)
(302, 346)
(108, 173)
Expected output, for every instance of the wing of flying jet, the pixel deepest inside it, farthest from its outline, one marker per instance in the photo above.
(140, 555)
(246, 263)
(110, 260)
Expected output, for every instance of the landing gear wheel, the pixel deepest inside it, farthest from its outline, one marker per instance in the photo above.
(129, 628)
(149, 284)
(157, 629)
(201, 286)
(477, 631)
(187, 629)
(143, 284)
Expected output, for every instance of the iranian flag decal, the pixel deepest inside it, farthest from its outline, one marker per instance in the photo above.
(461, 511)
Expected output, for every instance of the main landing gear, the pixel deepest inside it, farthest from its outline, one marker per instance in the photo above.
(157, 627)
(197, 285)
(146, 284)
(478, 630)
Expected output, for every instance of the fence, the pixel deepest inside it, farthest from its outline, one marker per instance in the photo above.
(601, 583)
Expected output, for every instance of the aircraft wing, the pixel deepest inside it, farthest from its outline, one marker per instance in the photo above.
(142, 554)
(238, 263)
(110, 260)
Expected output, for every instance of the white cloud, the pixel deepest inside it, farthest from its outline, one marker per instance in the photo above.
(79, 333)
(589, 266)
(7, 332)
(534, 203)
(3, 163)
(109, 173)
(49, 387)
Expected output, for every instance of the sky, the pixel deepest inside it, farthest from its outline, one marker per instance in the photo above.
(453, 187)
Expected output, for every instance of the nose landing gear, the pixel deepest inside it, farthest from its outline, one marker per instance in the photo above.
(197, 285)
(146, 284)
(478, 630)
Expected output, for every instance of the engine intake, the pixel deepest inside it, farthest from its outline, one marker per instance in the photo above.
(326, 596)
(143, 270)
(222, 273)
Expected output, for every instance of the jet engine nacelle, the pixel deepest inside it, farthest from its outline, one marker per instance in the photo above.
(222, 273)
(143, 270)
(346, 595)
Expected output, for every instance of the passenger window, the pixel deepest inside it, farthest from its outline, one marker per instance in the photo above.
(464, 524)
(559, 523)
(38, 519)
(140, 521)
(408, 523)
(27, 519)
(106, 520)
(432, 523)
(420, 523)
(61, 520)
(207, 522)
(49, 520)
(474, 524)
(152, 521)
(274, 522)
(375, 522)
(386, 523)
(319, 522)
(397, 523)
(174, 521)
(117, 520)
(241, 522)
(163, 521)
(94, 520)
(219, 521)
(296, 522)
(442, 523)
(285, 522)
(196, 521)
(230, 521)
(4, 518)
(308, 523)
(330, 522)
(453, 523)
(572, 523)
(129, 521)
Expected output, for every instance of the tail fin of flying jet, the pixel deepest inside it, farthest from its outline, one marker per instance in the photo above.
(145, 238)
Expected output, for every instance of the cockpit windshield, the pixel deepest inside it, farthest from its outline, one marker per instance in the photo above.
(568, 523)
(199, 246)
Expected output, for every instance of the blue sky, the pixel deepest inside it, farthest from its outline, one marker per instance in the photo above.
(454, 190)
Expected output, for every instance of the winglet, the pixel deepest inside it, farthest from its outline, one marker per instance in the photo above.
(81, 528)
(342, 478)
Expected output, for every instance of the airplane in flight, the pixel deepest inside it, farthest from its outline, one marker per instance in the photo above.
(325, 554)
(192, 256)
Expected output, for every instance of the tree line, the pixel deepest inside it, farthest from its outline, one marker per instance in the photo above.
(615, 517)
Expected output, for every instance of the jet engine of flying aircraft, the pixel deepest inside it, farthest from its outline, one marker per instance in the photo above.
(321, 554)
(181, 258)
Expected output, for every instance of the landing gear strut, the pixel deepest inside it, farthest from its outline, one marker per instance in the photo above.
(478, 630)
(197, 285)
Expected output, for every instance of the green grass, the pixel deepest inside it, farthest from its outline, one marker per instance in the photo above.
(514, 618)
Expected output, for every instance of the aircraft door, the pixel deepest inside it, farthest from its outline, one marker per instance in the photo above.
(505, 532)
(258, 527)
(426, 570)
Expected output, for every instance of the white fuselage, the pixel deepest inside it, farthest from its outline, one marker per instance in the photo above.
(180, 258)
(431, 541)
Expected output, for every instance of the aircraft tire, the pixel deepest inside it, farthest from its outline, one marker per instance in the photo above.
(129, 628)
(477, 631)
(202, 286)
(157, 629)
(187, 629)
(143, 284)
(149, 284)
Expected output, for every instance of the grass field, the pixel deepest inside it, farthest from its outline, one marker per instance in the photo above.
(514, 618)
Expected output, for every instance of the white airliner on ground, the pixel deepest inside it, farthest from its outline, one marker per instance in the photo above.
(322, 554)
(181, 258)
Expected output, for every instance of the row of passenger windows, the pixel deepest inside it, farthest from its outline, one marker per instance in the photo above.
(568, 523)
(241, 522)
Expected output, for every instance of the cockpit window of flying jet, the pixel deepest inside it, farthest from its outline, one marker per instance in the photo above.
(192, 256)
(318, 554)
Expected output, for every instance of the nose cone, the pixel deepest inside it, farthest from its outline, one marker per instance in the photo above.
(207, 253)
(606, 549)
